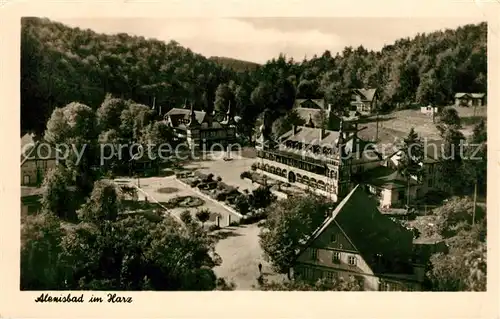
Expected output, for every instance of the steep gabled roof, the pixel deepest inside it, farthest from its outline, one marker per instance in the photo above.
(366, 94)
(369, 231)
(320, 103)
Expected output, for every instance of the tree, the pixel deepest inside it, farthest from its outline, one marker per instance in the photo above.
(307, 89)
(261, 197)
(476, 160)
(455, 215)
(105, 203)
(40, 247)
(285, 123)
(137, 254)
(242, 204)
(133, 119)
(74, 122)
(58, 198)
(203, 216)
(410, 163)
(451, 168)
(108, 114)
(75, 127)
(289, 223)
(463, 268)
(223, 97)
(339, 98)
(448, 120)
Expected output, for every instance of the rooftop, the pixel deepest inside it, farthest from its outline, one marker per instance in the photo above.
(370, 232)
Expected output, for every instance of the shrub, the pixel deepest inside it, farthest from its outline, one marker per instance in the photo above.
(186, 217)
(221, 197)
(242, 204)
(234, 223)
(254, 167)
(213, 227)
(245, 174)
(261, 197)
(219, 179)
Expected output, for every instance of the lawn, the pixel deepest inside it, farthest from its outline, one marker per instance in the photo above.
(395, 126)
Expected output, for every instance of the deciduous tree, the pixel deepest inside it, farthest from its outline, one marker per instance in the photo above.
(289, 224)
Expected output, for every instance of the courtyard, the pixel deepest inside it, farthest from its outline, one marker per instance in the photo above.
(238, 246)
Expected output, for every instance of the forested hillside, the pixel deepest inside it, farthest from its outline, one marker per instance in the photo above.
(235, 64)
(60, 65)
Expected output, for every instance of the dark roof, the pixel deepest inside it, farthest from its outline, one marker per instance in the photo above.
(366, 228)
(385, 177)
(320, 103)
(366, 94)
(461, 95)
(178, 116)
(32, 149)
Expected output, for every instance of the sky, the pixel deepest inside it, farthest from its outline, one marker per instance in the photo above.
(260, 39)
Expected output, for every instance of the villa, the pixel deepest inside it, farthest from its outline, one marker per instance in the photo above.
(200, 129)
(357, 241)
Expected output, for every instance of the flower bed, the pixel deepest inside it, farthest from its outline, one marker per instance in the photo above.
(245, 204)
(185, 202)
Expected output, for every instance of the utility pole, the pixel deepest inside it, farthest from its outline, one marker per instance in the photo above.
(475, 200)
(376, 133)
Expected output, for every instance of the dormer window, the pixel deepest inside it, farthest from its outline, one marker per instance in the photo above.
(352, 260)
(334, 238)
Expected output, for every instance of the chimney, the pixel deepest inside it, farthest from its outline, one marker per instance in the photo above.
(329, 108)
(321, 134)
(295, 129)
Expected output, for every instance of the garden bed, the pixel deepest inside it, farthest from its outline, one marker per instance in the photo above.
(245, 204)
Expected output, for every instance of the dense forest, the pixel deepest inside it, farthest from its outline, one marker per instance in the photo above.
(235, 64)
(60, 65)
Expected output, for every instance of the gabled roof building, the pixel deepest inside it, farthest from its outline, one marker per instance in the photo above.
(357, 240)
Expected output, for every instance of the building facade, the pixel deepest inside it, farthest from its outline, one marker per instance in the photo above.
(321, 160)
(37, 158)
(364, 101)
(200, 130)
(470, 99)
(356, 240)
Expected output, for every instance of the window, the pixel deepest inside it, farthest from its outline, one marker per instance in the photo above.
(314, 254)
(384, 286)
(307, 273)
(336, 257)
(352, 260)
(334, 238)
(330, 276)
(26, 180)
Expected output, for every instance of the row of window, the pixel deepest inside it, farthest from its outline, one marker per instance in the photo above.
(336, 257)
(394, 286)
(311, 274)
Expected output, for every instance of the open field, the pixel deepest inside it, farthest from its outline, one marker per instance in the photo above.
(394, 126)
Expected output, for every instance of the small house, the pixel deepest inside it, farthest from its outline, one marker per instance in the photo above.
(364, 101)
(470, 99)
